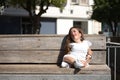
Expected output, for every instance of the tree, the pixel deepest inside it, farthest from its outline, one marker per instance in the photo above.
(30, 7)
(107, 11)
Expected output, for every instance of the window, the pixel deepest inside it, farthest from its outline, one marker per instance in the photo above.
(77, 23)
(26, 26)
(79, 2)
(81, 24)
(75, 2)
(48, 26)
(84, 2)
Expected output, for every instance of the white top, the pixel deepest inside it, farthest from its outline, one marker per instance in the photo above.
(79, 50)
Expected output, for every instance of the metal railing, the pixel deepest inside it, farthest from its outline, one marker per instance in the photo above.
(112, 51)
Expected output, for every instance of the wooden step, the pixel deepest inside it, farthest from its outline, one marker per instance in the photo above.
(50, 69)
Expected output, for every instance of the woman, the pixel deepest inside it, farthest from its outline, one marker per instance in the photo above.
(77, 49)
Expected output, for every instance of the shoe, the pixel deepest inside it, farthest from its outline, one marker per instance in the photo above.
(65, 65)
(78, 64)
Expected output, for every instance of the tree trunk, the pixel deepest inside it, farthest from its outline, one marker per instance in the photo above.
(36, 25)
(113, 26)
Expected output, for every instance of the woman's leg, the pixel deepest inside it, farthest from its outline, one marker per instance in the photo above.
(73, 61)
(69, 59)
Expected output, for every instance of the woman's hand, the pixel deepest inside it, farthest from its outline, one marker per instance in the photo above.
(85, 63)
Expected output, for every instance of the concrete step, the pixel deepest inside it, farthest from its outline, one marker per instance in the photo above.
(53, 77)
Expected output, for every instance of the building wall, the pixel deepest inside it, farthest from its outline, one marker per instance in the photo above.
(71, 13)
(63, 25)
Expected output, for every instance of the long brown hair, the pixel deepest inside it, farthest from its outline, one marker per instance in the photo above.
(70, 40)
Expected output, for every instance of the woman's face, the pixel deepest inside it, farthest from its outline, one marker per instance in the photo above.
(75, 35)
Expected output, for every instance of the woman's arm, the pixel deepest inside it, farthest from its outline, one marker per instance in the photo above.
(89, 55)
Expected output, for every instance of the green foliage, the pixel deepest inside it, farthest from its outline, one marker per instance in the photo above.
(107, 11)
(58, 3)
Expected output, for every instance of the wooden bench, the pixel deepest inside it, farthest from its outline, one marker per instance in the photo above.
(36, 57)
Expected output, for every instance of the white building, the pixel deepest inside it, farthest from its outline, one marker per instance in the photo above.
(75, 13)
(56, 21)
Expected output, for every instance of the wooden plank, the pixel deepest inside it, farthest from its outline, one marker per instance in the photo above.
(30, 43)
(98, 41)
(37, 42)
(99, 57)
(50, 69)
